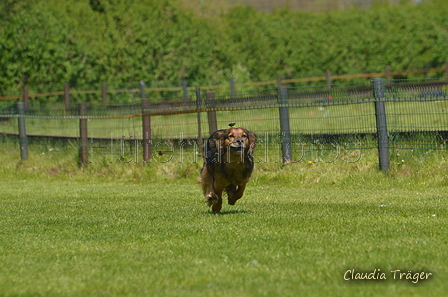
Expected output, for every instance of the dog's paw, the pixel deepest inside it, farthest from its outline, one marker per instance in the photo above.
(232, 198)
(211, 199)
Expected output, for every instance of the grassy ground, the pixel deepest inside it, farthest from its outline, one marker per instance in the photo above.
(142, 230)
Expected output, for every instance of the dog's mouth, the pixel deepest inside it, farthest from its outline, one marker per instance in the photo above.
(236, 148)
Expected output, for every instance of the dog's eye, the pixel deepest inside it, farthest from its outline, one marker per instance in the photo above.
(230, 136)
(244, 135)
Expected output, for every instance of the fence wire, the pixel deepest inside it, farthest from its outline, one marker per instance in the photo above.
(320, 115)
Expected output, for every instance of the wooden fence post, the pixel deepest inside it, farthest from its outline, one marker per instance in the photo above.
(381, 124)
(446, 70)
(279, 82)
(185, 90)
(387, 72)
(26, 98)
(211, 115)
(329, 79)
(23, 141)
(104, 94)
(67, 96)
(146, 124)
(232, 88)
(83, 139)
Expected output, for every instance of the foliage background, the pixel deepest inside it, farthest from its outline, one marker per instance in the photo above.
(43, 43)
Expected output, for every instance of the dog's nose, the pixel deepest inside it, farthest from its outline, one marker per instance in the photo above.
(239, 141)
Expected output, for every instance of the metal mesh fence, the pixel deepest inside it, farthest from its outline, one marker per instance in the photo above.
(320, 115)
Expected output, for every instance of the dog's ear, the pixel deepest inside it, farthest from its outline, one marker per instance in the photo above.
(213, 146)
(216, 143)
(252, 140)
(219, 139)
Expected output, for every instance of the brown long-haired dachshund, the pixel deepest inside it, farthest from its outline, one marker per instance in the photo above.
(228, 165)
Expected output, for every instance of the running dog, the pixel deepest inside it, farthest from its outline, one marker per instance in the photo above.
(228, 165)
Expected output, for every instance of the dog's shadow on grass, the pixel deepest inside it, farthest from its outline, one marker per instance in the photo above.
(228, 212)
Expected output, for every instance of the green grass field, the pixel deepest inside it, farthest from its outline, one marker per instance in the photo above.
(143, 230)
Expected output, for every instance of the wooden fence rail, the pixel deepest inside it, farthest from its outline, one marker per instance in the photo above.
(283, 100)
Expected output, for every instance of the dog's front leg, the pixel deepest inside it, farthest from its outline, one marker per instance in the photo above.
(207, 181)
(217, 204)
(212, 189)
(230, 190)
(236, 194)
(217, 201)
(213, 198)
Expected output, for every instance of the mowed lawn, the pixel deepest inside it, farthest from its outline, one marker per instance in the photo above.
(103, 238)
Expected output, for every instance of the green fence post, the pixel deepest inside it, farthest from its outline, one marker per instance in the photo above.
(284, 122)
(23, 141)
(198, 108)
(381, 124)
(146, 124)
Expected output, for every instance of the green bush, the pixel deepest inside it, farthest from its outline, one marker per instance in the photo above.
(116, 41)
